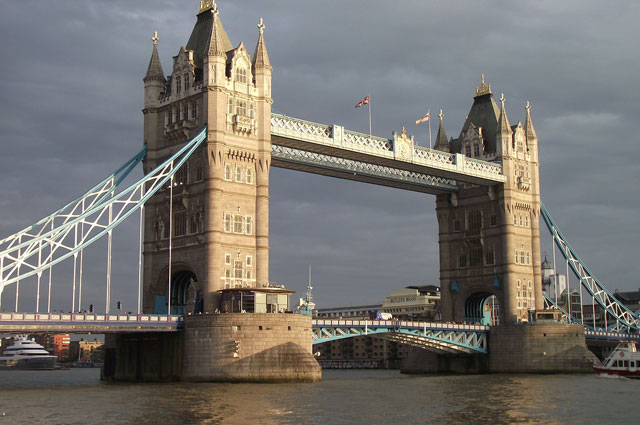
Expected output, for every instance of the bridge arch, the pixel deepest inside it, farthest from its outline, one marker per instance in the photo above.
(482, 307)
(186, 291)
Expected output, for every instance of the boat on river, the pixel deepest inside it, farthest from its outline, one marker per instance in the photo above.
(26, 354)
(623, 361)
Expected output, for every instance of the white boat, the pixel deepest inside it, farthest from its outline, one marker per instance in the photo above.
(28, 355)
(623, 361)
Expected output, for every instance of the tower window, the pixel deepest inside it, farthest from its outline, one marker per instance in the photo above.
(475, 220)
(249, 225)
(185, 112)
(249, 175)
(227, 222)
(241, 75)
(186, 82)
(462, 260)
(238, 224)
(228, 172)
(194, 110)
(467, 150)
(241, 108)
(180, 223)
(476, 150)
(178, 85)
(238, 174)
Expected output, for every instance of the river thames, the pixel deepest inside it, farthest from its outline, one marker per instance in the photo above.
(77, 396)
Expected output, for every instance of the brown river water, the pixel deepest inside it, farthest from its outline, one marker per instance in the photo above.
(77, 396)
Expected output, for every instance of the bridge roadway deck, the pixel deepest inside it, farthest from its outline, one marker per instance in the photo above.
(13, 323)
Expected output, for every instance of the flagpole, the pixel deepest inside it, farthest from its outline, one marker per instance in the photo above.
(429, 114)
(369, 114)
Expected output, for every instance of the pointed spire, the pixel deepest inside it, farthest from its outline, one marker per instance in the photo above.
(442, 144)
(504, 128)
(530, 132)
(154, 70)
(216, 45)
(260, 56)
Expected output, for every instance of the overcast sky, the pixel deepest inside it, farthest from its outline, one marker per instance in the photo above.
(71, 98)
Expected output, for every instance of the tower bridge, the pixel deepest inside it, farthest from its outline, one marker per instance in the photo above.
(210, 140)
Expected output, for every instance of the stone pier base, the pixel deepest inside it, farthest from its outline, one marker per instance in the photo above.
(249, 347)
(217, 347)
(540, 348)
(143, 357)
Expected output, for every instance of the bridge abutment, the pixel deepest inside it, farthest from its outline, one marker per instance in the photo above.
(539, 348)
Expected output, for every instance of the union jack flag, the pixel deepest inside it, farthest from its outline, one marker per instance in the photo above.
(363, 102)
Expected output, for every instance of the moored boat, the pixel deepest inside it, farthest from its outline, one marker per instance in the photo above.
(623, 361)
(26, 354)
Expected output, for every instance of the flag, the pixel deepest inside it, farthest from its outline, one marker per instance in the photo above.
(363, 102)
(423, 119)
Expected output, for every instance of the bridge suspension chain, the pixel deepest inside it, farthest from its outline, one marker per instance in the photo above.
(88, 224)
(75, 208)
(600, 294)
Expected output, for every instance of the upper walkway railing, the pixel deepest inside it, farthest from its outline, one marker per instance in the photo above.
(337, 137)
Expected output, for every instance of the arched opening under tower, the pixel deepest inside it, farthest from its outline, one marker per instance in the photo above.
(186, 295)
(482, 308)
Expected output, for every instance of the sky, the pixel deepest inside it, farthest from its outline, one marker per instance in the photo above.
(71, 98)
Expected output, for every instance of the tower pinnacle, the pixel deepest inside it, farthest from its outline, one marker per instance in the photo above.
(442, 143)
(530, 132)
(260, 56)
(483, 88)
(154, 70)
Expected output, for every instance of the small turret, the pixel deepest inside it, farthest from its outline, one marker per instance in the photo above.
(503, 132)
(441, 139)
(154, 80)
(530, 134)
(260, 56)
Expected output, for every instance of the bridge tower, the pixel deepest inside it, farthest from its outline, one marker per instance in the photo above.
(490, 236)
(215, 218)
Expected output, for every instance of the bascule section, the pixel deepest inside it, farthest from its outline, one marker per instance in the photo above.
(211, 222)
(490, 269)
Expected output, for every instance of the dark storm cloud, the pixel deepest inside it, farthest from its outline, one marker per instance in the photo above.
(71, 84)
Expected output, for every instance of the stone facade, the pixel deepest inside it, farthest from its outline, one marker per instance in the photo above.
(249, 347)
(219, 199)
(489, 236)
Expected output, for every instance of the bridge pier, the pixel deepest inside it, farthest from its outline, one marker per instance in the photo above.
(239, 347)
(539, 348)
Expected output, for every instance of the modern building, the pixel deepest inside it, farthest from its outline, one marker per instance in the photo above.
(420, 303)
(56, 344)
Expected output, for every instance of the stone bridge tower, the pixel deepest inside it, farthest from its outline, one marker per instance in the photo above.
(489, 236)
(219, 229)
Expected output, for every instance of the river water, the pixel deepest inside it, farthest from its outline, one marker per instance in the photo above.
(77, 396)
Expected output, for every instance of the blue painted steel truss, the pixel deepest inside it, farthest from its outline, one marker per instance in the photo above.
(439, 337)
(625, 319)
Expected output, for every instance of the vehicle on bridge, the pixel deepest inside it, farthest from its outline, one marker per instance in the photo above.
(623, 361)
(379, 315)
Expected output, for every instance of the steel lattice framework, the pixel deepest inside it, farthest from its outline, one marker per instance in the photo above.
(75, 208)
(440, 337)
(86, 220)
(625, 318)
(348, 166)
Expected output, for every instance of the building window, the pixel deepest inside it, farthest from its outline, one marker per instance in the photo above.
(476, 150)
(490, 257)
(228, 172)
(194, 110)
(238, 224)
(230, 106)
(249, 261)
(475, 220)
(199, 172)
(475, 256)
(238, 174)
(237, 270)
(186, 82)
(249, 226)
(249, 175)
(241, 75)
(185, 111)
(494, 220)
(178, 85)
(249, 275)
(193, 224)
(180, 223)
(462, 260)
(526, 221)
(227, 222)
(227, 259)
(241, 108)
